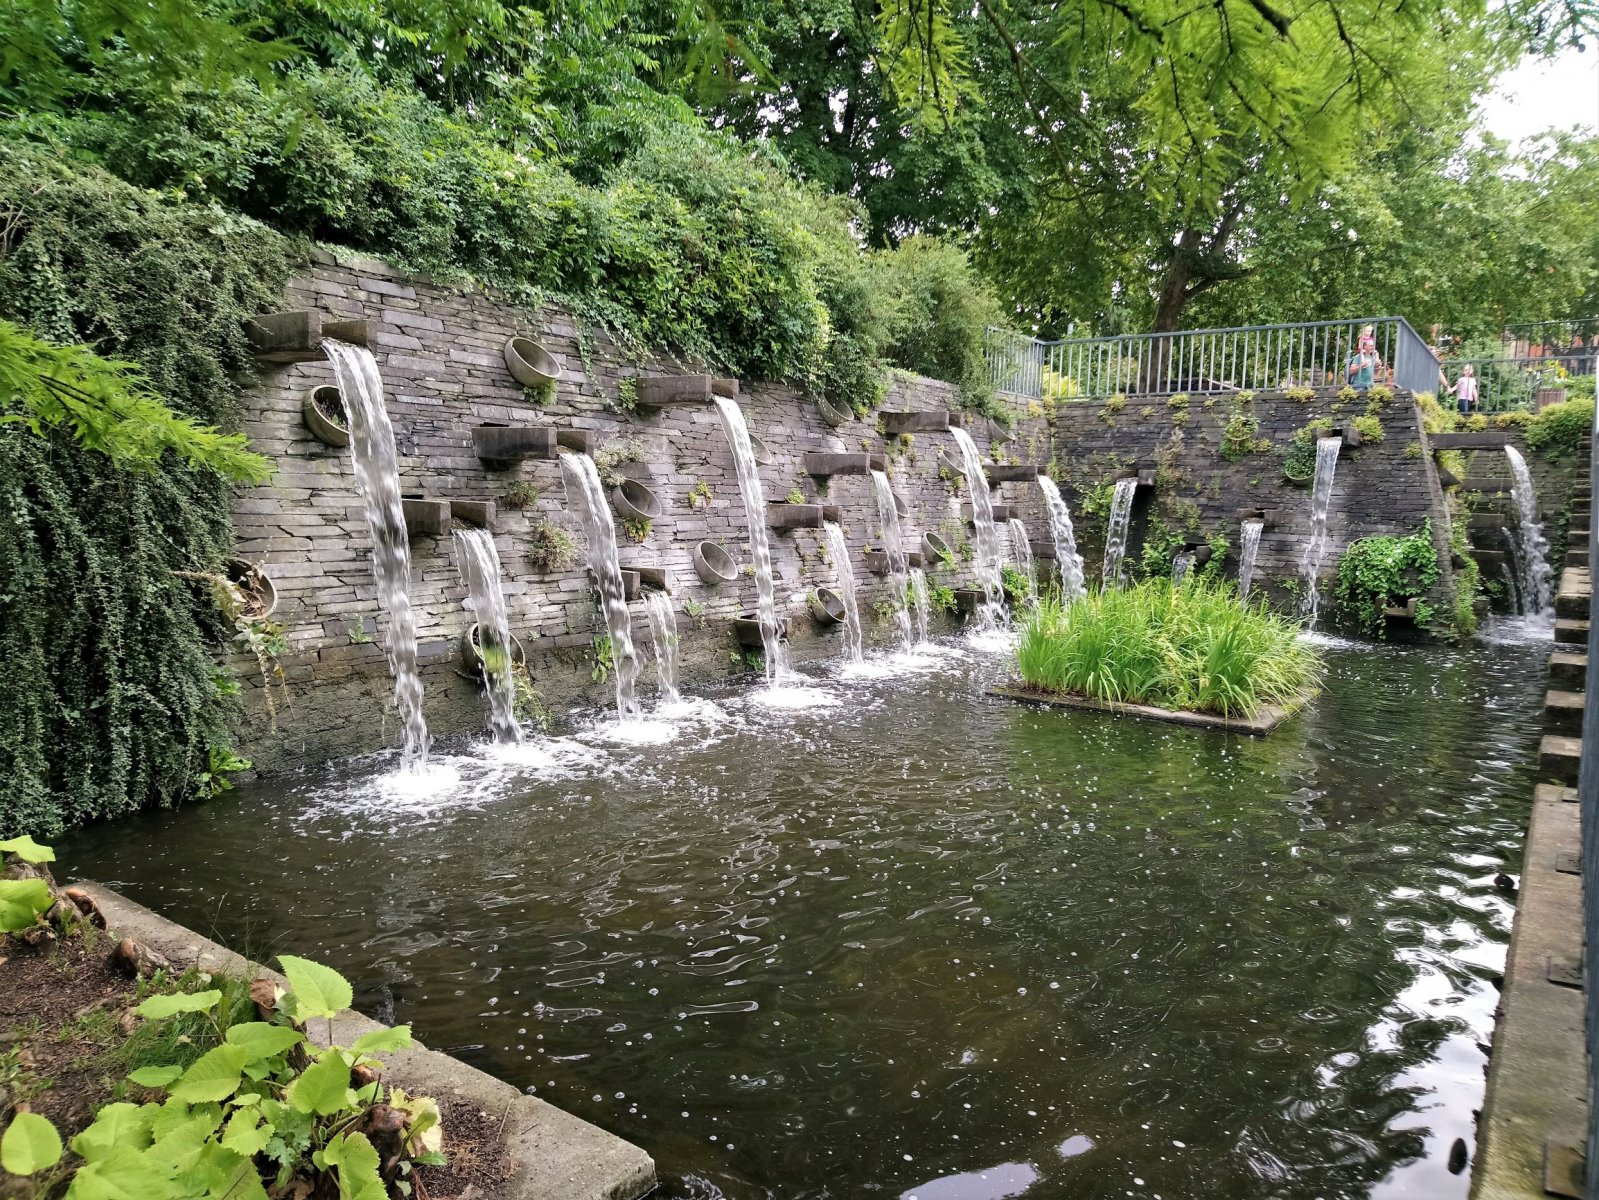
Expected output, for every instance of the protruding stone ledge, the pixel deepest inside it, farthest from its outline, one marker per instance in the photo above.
(782, 515)
(506, 445)
(825, 463)
(998, 473)
(1482, 440)
(424, 517)
(291, 337)
(896, 423)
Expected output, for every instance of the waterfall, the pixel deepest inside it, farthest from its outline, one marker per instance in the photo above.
(1022, 552)
(377, 477)
(1180, 566)
(1249, 532)
(893, 546)
(1121, 514)
(1067, 559)
(844, 573)
(479, 563)
(1533, 575)
(663, 634)
(1316, 546)
(921, 604)
(749, 486)
(988, 555)
(585, 493)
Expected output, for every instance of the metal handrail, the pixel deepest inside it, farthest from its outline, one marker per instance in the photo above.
(1505, 384)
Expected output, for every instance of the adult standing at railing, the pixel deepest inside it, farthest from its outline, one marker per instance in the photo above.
(1364, 364)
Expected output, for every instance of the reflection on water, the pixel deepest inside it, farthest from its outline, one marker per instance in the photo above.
(925, 943)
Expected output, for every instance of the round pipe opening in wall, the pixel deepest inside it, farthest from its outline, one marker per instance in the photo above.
(472, 651)
(714, 565)
(323, 410)
(250, 581)
(531, 364)
(935, 550)
(827, 608)
(632, 499)
(762, 452)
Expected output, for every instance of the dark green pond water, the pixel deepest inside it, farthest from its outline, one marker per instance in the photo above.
(930, 945)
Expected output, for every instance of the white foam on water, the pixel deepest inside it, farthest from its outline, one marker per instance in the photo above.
(992, 641)
(635, 731)
(793, 697)
(1517, 631)
(1332, 641)
(692, 708)
(550, 758)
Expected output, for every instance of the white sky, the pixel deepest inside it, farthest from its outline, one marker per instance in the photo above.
(1540, 94)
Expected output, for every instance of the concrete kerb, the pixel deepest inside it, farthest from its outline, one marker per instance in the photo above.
(553, 1155)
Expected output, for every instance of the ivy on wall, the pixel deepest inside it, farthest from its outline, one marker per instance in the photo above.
(1377, 572)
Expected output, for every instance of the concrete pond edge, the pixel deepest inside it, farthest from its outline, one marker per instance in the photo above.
(553, 1155)
(1267, 718)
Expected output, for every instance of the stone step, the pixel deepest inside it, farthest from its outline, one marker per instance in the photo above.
(1560, 758)
(1576, 591)
(1568, 670)
(1553, 793)
(1562, 712)
(1577, 558)
(1575, 632)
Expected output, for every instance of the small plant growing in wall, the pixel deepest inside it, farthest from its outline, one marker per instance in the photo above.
(1178, 400)
(627, 395)
(1302, 394)
(358, 634)
(540, 395)
(1368, 426)
(695, 611)
(795, 496)
(1244, 397)
(604, 663)
(637, 529)
(1112, 406)
(1241, 436)
(1377, 395)
(549, 547)
(521, 493)
(1347, 395)
(1413, 450)
(699, 496)
(528, 706)
(610, 461)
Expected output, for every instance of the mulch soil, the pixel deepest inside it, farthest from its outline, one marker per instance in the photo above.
(474, 1142)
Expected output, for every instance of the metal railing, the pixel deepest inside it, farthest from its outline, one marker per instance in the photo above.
(1571, 336)
(1504, 384)
(1200, 361)
(1588, 798)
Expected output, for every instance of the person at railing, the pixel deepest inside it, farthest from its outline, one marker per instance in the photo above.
(1361, 371)
(1465, 389)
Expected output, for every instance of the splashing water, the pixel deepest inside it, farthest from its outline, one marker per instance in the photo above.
(749, 487)
(1121, 515)
(1249, 534)
(1021, 551)
(1533, 574)
(987, 559)
(663, 635)
(921, 604)
(1068, 561)
(479, 563)
(585, 493)
(898, 563)
(378, 479)
(1316, 547)
(844, 574)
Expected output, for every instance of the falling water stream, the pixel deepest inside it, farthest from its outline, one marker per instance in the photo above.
(987, 559)
(378, 479)
(894, 548)
(586, 495)
(844, 573)
(479, 563)
(1068, 561)
(1121, 514)
(1533, 574)
(749, 486)
(1249, 536)
(1316, 546)
(663, 635)
(1021, 551)
(921, 604)
(1180, 566)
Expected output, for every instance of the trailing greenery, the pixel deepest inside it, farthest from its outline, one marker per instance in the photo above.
(1559, 429)
(117, 508)
(1381, 572)
(1192, 647)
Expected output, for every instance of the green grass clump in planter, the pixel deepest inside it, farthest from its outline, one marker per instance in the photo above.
(1193, 647)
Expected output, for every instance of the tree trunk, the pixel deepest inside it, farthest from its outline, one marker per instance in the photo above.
(1169, 305)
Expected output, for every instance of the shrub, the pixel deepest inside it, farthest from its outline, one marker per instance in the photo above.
(1559, 429)
(1368, 426)
(1194, 647)
(1376, 572)
(1516, 418)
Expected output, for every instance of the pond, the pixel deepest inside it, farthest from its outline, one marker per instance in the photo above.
(929, 944)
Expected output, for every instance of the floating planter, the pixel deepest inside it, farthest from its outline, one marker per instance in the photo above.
(480, 513)
(824, 464)
(1001, 512)
(833, 415)
(323, 410)
(935, 550)
(472, 651)
(747, 629)
(782, 515)
(677, 391)
(531, 363)
(426, 517)
(998, 473)
(896, 423)
(500, 446)
(826, 606)
(291, 337)
(260, 597)
(713, 564)
(631, 499)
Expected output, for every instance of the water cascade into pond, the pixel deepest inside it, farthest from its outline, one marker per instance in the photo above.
(987, 558)
(1068, 561)
(1121, 515)
(844, 573)
(894, 548)
(921, 604)
(1180, 566)
(1021, 551)
(585, 493)
(378, 479)
(663, 635)
(1316, 547)
(1249, 536)
(479, 563)
(749, 487)
(1533, 575)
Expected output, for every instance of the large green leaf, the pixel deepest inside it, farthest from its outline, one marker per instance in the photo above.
(116, 1127)
(27, 849)
(155, 1077)
(382, 1041)
(124, 1175)
(21, 902)
(261, 1040)
(315, 990)
(30, 1144)
(323, 1087)
(245, 1133)
(173, 1003)
(357, 1163)
(212, 1076)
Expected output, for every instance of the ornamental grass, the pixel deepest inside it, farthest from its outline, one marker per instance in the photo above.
(1193, 646)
